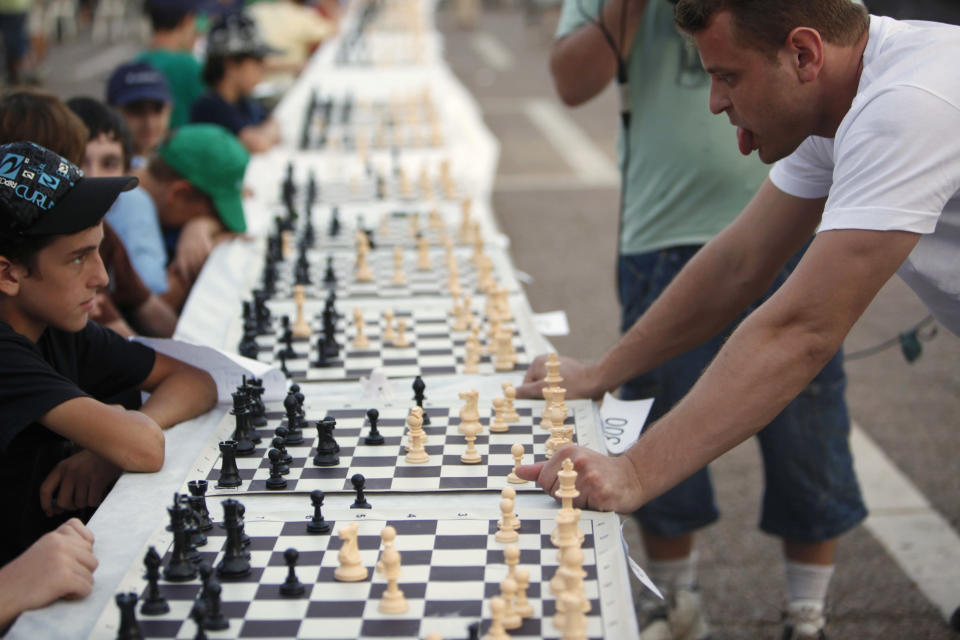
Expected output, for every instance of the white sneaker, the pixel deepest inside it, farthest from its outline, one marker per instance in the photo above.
(804, 620)
(683, 619)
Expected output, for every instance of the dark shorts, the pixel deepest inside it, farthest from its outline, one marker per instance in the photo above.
(811, 491)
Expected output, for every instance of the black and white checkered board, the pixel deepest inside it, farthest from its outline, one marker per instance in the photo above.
(432, 282)
(384, 466)
(399, 228)
(450, 569)
(435, 348)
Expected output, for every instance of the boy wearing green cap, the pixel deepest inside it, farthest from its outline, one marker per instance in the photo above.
(60, 444)
(196, 182)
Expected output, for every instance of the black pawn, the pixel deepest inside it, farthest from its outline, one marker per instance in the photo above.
(129, 628)
(283, 365)
(291, 586)
(229, 473)
(375, 436)
(322, 361)
(198, 613)
(214, 620)
(276, 479)
(205, 569)
(329, 275)
(357, 480)
(285, 458)
(154, 604)
(473, 631)
(317, 524)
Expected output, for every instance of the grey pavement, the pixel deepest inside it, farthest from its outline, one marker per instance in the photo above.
(563, 233)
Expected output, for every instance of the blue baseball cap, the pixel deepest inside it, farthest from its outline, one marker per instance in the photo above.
(43, 193)
(172, 11)
(136, 81)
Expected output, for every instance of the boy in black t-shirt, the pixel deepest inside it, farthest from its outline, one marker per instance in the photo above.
(60, 446)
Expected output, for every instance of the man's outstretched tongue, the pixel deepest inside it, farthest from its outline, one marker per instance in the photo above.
(745, 140)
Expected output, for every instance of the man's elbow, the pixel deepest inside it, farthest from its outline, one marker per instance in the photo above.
(148, 454)
(564, 80)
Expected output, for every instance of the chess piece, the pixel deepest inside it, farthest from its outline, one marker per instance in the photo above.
(517, 452)
(300, 328)
(470, 413)
(276, 479)
(360, 341)
(423, 254)
(358, 482)
(351, 567)
(197, 613)
(317, 524)
(291, 587)
(129, 627)
(570, 618)
(235, 562)
(392, 600)
(505, 357)
(401, 339)
(508, 591)
(419, 389)
(215, 620)
(416, 453)
(198, 492)
(278, 443)
(497, 630)
(374, 437)
(511, 557)
(508, 524)
(363, 272)
(499, 425)
(179, 568)
(522, 605)
(327, 447)
(399, 277)
(229, 473)
(389, 336)
(471, 455)
(154, 604)
(471, 357)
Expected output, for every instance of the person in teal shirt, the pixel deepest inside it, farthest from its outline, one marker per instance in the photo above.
(170, 52)
(684, 182)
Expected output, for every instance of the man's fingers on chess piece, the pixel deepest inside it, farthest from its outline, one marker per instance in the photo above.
(605, 483)
(579, 380)
(533, 380)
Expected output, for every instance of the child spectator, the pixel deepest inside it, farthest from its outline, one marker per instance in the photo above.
(170, 51)
(60, 444)
(196, 182)
(133, 216)
(140, 93)
(293, 28)
(40, 117)
(234, 66)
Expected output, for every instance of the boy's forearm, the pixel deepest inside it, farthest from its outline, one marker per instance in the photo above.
(181, 396)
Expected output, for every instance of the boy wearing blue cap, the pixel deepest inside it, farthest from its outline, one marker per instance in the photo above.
(60, 445)
(141, 94)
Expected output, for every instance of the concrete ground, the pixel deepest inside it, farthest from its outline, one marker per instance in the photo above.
(556, 197)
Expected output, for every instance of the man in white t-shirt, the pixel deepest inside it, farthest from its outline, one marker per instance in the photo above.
(862, 116)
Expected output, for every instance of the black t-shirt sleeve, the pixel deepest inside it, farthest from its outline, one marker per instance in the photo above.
(108, 363)
(213, 109)
(29, 387)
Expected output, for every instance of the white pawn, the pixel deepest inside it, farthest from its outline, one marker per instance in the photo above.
(399, 277)
(523, 606)
(497, 630)
(508, 591)
(499, 425)
(360, 341)
(300, 328)
(401, 339)
(389, 335)
(510, 395)
(517, 452)
(511, 557)
(471, 356)
(423, 254)
(392, 600)
(509, 523)
(574, 620)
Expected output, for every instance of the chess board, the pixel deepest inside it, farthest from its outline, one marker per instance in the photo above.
(417, 283)
(435, 348)
(451, 566)
(384, 466)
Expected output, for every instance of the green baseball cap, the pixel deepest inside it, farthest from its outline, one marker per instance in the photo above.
(214, 161)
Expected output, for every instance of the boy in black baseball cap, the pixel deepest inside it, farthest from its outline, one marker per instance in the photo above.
(60, 446)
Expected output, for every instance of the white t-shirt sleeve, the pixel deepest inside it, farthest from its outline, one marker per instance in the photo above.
(896, 164)
(808, 171)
